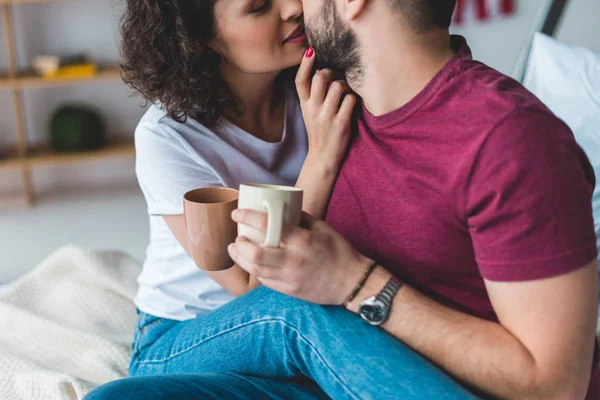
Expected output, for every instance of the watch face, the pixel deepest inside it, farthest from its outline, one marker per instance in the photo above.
(373, 312)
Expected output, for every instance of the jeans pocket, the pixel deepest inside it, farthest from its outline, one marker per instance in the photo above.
(150, 322)
(143, 333)
(148, 343)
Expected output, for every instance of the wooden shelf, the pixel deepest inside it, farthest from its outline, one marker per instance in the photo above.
(25, 157)
(30, 79)
(44, 156)
(10, 159)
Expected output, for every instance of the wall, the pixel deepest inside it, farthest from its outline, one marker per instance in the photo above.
(499, 43)
(91, 25)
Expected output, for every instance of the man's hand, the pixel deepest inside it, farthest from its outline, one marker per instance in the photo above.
(314, 264)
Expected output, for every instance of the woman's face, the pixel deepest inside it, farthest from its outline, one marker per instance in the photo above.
(260, 36)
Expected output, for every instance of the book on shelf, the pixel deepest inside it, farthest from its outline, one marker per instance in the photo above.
(73, 72)
(64, 67)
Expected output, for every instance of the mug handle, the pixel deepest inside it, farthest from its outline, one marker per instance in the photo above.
(275, 222)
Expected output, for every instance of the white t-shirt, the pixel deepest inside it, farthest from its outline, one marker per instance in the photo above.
(173, 158)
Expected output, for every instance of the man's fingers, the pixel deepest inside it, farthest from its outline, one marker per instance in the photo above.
(303, 75)
(237, 252)
(272, 256)
(253, 219)
(275, 284)
(260, 221)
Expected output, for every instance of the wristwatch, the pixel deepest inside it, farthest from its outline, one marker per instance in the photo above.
(376, 309)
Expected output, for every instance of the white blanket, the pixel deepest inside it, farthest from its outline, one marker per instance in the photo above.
(67, 326)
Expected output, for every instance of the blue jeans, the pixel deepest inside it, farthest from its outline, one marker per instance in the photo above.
(268, 345)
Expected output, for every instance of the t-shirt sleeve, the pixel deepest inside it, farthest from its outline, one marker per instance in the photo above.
(166, 170)
(528, 200)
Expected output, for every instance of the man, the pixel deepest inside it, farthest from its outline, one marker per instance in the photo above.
(465, 187)
(465, 235)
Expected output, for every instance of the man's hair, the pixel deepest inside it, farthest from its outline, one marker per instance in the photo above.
(425, 15)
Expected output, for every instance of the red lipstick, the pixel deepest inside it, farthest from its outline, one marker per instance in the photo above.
(297, 36)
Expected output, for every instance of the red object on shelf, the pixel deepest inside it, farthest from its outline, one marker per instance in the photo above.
(482, 10)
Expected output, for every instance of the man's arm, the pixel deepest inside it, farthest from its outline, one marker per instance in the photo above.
(542, 348)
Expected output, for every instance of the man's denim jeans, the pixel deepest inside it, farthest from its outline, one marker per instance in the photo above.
(267, 345)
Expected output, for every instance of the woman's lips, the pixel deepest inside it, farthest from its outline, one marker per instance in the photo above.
(297, 39)
(297, 36)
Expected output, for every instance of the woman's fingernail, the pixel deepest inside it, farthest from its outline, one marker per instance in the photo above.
(235, 213)
(309, 52)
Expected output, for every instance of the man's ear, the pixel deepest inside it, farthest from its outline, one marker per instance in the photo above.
(354, 8)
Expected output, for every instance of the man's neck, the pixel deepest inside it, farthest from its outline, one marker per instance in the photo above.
(396, 70)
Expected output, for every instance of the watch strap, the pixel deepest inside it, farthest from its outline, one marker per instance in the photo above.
(389, 290)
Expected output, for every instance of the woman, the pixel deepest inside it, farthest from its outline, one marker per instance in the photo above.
(222, 114)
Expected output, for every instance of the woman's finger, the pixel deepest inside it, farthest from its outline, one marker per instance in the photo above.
(334, 95)
(303, 74)
(347, 107)
(318, 88)
(328, 73)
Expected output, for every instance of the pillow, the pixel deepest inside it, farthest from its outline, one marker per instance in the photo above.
(567, 79)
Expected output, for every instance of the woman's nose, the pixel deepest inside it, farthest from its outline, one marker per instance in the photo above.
(291, 9)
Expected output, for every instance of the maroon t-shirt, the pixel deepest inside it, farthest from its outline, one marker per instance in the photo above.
(473, 178)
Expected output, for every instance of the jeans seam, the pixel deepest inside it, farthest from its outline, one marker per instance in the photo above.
(269, 320)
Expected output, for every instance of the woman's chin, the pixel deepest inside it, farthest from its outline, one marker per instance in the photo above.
(297, 58)
(293, 60)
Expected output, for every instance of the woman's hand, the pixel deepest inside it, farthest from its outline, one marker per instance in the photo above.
(327, 109)
(327, 117)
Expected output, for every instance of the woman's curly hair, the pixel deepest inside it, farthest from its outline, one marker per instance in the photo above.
(166, 58)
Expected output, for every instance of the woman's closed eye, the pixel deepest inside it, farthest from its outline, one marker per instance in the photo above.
(260, 7)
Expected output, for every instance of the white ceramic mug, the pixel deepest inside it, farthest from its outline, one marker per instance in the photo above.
(283, 204)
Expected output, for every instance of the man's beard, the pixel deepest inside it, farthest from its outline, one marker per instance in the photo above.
(336, 45)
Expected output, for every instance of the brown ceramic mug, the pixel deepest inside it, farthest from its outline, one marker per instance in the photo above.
(209, 227)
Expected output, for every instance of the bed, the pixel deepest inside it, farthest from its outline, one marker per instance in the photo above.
(68, 325)
(567, 79)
